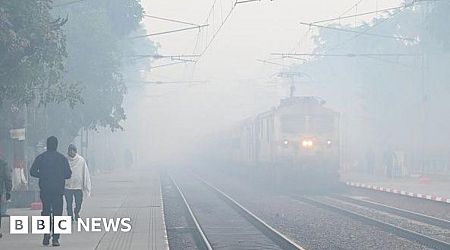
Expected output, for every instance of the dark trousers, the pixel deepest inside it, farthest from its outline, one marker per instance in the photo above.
(52, 205)
(70, 194)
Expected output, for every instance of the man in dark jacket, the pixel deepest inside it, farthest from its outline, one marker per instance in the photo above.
(5, 185)
(52, 169)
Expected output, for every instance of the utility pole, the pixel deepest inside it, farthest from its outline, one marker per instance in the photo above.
(423, 94)
(291, 76)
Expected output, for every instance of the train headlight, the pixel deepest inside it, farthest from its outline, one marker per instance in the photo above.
(285, 142)
(329, 142)
(307, 143)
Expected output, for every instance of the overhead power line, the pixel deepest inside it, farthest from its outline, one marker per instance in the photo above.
(165, 65)
(192, 26)
(175, 58)
(169, 82)
(223, 21)
(210, 20)
(273, 63)
(349, 54)
(171, 20)
(351, 8)
(358, 32)
(360, 14)
(368, 13)
(157, 56)
(246, 1)
(293, 57)
(217, 6)
(379, 22)
(168, 32)
(183, 60)
(376, 24)
(153, 83)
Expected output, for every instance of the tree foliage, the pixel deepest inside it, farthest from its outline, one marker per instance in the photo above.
(97, 39)
(32, 54)
(66, 62)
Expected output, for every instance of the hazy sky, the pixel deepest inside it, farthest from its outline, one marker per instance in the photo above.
(170, 116)
(253, 31)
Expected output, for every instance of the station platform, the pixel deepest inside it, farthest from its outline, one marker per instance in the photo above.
(419, 187)
(134, 194)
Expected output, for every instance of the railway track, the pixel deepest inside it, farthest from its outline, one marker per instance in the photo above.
(397, 211)
(224, 223)
(201, 238)
(369, 219)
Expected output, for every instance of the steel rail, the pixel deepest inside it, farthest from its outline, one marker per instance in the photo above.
(399, 231)
(280, 239)
(398, 211)
(203, 239)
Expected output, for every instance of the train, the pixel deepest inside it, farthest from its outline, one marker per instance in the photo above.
(296, 142)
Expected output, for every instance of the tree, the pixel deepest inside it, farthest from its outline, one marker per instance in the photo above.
(97, 39)
(32, 52)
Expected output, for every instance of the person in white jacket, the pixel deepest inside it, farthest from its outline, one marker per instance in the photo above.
(79, 183)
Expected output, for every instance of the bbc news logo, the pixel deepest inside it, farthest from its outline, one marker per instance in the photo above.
(63, 225)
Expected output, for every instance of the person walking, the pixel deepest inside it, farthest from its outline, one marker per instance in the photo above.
(79, 183)
(52, 169)
(5, 186)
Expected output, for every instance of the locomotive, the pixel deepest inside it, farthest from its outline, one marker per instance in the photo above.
(294, 143)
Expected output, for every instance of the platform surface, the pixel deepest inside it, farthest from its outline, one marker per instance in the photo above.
(135, 194)
(416, 185)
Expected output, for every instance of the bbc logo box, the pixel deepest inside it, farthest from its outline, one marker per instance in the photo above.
(18, 225)
(40, 225)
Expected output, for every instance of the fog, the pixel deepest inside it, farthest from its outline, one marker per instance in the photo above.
(190, 119)
(380, 98)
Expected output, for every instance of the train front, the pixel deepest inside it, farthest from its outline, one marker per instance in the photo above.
(308, 142)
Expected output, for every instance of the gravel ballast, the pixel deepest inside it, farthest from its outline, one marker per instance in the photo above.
(178, 231)
(309, 226)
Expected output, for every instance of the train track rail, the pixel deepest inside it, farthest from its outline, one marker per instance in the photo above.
(397, 211)
(204, 238)
(394, 229)
(199, 234)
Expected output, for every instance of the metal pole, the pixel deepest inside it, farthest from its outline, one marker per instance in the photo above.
(423, 99)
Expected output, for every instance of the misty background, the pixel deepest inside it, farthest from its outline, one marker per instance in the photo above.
(388, 101)
(392, 92)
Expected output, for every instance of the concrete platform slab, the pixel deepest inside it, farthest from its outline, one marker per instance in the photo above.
(135, 194)
(424, 188)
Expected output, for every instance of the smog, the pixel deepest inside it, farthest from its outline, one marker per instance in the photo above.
(235, 124)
